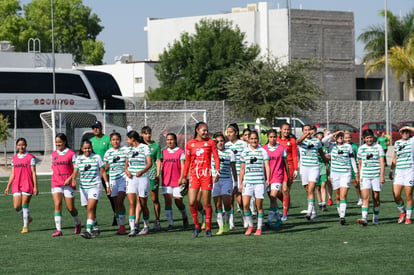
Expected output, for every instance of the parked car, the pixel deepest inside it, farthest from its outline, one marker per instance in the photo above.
(181, 136)
(335, 126)
(296, 124)
(253, 126)
(378, 127)
(405, 123)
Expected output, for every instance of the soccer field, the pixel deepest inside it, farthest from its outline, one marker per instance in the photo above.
(299, 247)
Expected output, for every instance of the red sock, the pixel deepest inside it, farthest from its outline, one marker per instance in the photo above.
(194, 214)
(286, 203)
(209, 212)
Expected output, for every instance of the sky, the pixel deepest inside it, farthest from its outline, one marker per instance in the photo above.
(124, 20)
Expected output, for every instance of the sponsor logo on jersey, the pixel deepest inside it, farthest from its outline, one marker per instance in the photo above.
(199, 152)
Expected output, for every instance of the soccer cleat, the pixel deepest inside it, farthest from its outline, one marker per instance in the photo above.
(203, 226)
(24, 230)
(258, 232)
(284, 218)
(208, 233)
(249, 231)
(57, 233)
(221, 231)
(314, 216)
(169, 227)
(268, 225)
(77, 229)
(144, 231)
(277, 224)
(342, 221)
(324, 209)
(226, 227)
(363, 222)
(133, 233)
(330, 202)
(86, 235)
(114, 222)
(375, 221)
(121, 231)
(185, 222)
(320, 207)
(402, 217)
(95, 233)
(359, 202)
(308, 217)
(196, 232)
(157, 226)
(407, 221)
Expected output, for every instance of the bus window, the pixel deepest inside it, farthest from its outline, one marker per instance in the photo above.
(71, 84)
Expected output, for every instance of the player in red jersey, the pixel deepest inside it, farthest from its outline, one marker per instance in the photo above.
(198, 160)
(289, 143)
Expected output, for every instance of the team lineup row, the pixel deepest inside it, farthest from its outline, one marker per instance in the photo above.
(237, 170)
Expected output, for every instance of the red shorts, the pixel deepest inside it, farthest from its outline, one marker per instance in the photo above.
(205, 182)
(291, 170)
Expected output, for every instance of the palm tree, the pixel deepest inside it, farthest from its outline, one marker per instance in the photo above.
(400, 30)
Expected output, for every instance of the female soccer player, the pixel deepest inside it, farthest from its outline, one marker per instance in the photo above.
(237, 146)
(138, 162)
(289, 143)
(245, 135)
(348, 139)
(402, 162)
(223, 188)
(62, 167)
(254, 178)
(90, 168)
(114, 160)
(309, 166)
(154, 172)
(171, 178)
(278, 168)
(322, 183)
(23, 182)
(342, 163)
(371, 166)
(198, 160)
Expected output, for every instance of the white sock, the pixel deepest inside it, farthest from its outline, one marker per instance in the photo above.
(89, 224)
(253, 205)
(364, 212)
(26, 216)
(146, 223)
(342, 209)
(401, 207)
(169, 215)
(260, 220)
(249, 220)
(58, 221)
(231, 218)
(220, 218)
(311, 207)
(131, 220)
(409, 212)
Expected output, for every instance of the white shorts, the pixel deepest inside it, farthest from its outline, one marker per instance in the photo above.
(254, 190)
(340, 180)
(404, 177)
(68, 191)
(139, 186)
(175, 191)
(92, 193)
(309, 174)
(223, 187)
(373, 184)
(274, 186)
(21, 193)
(116, 186)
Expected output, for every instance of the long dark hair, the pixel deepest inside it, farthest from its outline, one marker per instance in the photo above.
(235, 127)
(197, 126)
(63, 138)
(85, 141)
(134, 134)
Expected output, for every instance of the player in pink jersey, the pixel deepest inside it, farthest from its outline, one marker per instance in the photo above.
(23, 182)
(171, 177)
(278, 168)
(198, 161)
(62, 168)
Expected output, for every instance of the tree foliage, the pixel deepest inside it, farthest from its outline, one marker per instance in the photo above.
(76, 27)
(400, 30)
(267, 88)
(195, 66)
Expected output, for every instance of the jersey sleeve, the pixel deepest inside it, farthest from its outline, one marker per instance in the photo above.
(147, 150)
(232, 156)
(99, 160)
(359, 154)
(242, 156)
(182, 157)
(381, 152)
(294, 153)
(159, 153)
(215, 155)
(265, 155)
(105, 160)
(187, 159)
(76, 164)
(33, 161)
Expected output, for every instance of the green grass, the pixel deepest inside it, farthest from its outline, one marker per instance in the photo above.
(300, 247)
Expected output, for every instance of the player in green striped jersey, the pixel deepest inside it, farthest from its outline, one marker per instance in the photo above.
(348, 139)
(371, 166)
(402, 162)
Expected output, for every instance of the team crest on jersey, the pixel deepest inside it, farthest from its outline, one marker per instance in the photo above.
(192, 144)
(205, 144)
(104, 143)
(288, 143)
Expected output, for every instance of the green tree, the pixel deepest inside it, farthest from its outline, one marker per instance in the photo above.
(400, 30)
(76, 28)
(195, 66)
(4, 134)
(267, 88)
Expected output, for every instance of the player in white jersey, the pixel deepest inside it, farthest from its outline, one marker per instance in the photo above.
(309, 148)
(114, 160)
(342, 163)
(371, 166)
(138, 162)
(90, 168)
(254, 179)
(237, 146)
(403, 164)
(223, 189)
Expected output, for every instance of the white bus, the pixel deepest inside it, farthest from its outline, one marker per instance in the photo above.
(26, 93)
